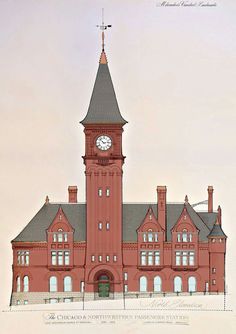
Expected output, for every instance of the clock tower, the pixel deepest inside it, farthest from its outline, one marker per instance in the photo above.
(103, 159)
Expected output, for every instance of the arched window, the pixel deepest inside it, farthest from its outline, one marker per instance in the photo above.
(18, 284)
(157, 284)
(150, 236)
(26, 284)
(60, 235)
(143, 284)
(184, 236)
(53, 284)
(67, 283)
(192, 284)
(177, 284)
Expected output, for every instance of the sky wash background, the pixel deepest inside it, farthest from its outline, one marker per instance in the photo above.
(174, 73)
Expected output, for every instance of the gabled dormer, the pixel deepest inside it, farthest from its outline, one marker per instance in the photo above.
(150, 230)
(150, 237)
(185, 241)
(60, 242)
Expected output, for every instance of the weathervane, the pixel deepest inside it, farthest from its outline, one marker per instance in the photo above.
(103, 27)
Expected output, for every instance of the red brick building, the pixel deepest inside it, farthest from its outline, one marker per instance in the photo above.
(106, 248)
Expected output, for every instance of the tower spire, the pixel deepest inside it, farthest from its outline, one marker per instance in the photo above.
(103, 27)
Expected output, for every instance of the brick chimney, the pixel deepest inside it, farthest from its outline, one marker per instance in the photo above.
(219, 214)
(210, 198)
(161, 206)
(72, 192)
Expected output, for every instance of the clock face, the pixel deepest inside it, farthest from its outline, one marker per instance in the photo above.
(103, 143)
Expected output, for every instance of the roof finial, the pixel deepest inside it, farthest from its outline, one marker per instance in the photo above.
(47, 200)
(186, 199)
(103, 27)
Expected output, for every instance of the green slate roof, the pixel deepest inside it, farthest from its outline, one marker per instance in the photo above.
(133, 215)
(103, 107)
(217, 231)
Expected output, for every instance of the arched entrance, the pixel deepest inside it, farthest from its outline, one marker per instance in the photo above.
(103, 286)
(103, 282)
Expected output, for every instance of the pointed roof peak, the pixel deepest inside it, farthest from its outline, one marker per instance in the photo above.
(103, 58)
(103, 106)
(216, 230)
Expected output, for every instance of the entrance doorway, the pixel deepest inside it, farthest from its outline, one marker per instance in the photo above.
(103, 286)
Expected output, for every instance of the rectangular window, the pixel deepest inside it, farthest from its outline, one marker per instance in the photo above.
(23, 258)
(150, 258)
(67, 258)
(184, 237)
(18, 258)
(92, 258)
(65, 237)
(144, 237)
(100, 192)
(60, 237)
(125, 276)
(190, 237)
(107, 258)
(60, 258)
(100, 226)
(191, 258)
(156, 237)
(143, 258)
(100, 258)
(213, 270)
(213, 282)
(108, 226)
(82, 286)
(26, 302)
(107, 192)
(114, 258)
(27, 258)
(126, 287)
(54, 258)
(157, 258)
(54, 237)
(179, 237)
(17, 302)
(150, 237)
(177, 258)
(185, 259)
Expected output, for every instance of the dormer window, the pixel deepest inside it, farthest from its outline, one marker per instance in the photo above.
(150, 237)
(184, 236)
(60, 236)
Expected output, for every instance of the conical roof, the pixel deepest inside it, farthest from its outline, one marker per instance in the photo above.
(217, 231)
(103, 107)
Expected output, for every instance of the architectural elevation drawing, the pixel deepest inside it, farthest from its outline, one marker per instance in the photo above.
(108, 249)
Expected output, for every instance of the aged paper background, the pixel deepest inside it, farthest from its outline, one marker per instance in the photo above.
(174, 72)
